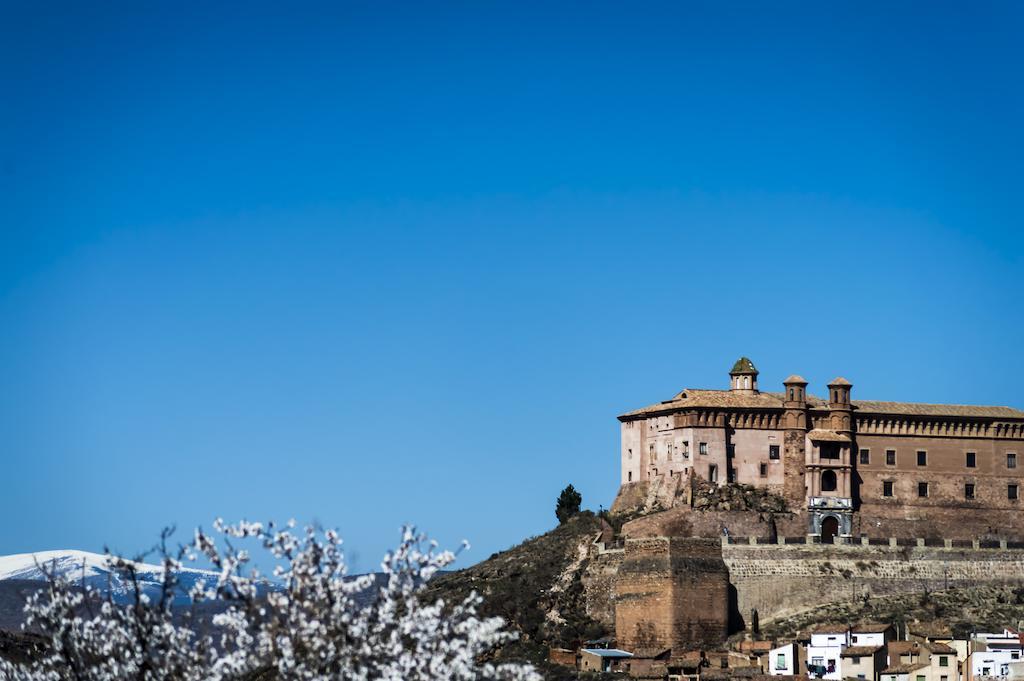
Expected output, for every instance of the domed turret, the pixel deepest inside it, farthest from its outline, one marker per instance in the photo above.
(743, 377)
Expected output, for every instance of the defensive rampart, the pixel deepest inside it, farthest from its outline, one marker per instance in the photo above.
(779, 578)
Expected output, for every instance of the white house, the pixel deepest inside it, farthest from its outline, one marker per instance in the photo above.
(824, 654)
(784, 660)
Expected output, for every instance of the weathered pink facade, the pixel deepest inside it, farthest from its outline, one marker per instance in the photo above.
(835, 457)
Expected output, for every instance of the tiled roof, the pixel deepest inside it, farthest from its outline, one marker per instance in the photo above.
(941, 648)
(727, 399)
(795, 378)
(859, 651)
(839, 380)
(903, 647)
(921, 409)
(918, 648)
(905, 668)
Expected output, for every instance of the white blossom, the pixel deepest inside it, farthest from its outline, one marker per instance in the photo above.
(307, 625)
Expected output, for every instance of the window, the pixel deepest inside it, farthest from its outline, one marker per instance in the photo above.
(920, 677)
(972, 460)
(922, 489)
(1011, 460)
(686, 448)
(890, 457)
(780, 659)
(703, 447)
(829, 450)
(1011, 492)
(969, 490)
(629, 455)
(764, 470)
(922, 458)
(828, 481)
(887, 488)
(712, 473)
(629, 476)
(865, 456)
(650, 450)
(773, 452)
(856, 660)
(943, 661)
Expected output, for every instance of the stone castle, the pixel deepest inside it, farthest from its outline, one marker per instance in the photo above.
(740, 500)
(845, 467)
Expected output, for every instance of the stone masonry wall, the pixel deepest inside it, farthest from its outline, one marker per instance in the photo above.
(782, 580)
(671, 593)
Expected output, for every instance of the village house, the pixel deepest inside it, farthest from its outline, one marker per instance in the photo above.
(920, 661)
(785, 660)
(824, 652)
(992, 654)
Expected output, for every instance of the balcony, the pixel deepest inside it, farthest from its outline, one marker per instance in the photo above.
(835, 503)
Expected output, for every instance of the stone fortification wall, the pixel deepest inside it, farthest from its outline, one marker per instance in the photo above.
(780, 581)
(686, 593)
(599, 581)
(671, 593)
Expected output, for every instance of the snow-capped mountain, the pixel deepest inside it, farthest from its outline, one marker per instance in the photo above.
(96, 570)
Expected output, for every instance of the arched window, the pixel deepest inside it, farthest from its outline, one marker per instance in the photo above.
(790, 394)
(828, 481)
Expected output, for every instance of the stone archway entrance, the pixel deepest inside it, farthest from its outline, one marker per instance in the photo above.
(829, 529)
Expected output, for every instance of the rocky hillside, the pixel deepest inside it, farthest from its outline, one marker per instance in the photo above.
(949, 611)
(536, 586)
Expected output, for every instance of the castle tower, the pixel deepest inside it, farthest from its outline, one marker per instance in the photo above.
(793, 458)
(743, 377)
(840, 408)
(830, 469)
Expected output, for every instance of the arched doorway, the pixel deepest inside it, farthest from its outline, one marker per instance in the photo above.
(829, 529)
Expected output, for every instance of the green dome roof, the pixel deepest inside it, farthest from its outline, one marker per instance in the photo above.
(743, 366)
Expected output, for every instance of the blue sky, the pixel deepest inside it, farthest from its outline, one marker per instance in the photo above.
(365, 264)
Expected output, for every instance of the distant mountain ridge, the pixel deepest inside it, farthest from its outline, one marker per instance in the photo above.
(96, 570)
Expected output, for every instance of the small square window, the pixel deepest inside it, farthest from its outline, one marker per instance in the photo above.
(890, 457)
(922, 489)
(703, 447)
(943, 661)
(972, 460)
(1011, 492)
(922, 458)
(1011, 460)
(773, 452)
(969, 490)
(865, 456)
(887, 488)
